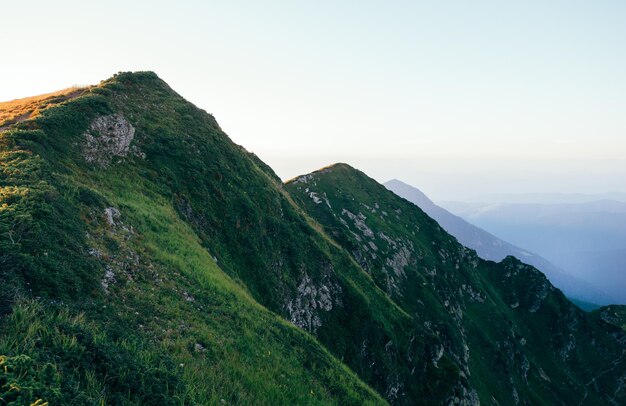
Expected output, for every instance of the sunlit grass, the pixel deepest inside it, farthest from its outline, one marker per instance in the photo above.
(255, 362)
(30, 107)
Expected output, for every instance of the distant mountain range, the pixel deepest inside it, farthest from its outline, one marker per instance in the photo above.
(490, 247)
(587, 239)
(545, 198)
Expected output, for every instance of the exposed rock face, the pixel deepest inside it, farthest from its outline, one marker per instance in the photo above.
(108, 137)
(120, 262)
(112, 215)
(613, 314)
(311, 299)
(437, 354)
(465, 397)
(108, 279)
(359, 222)
(395, 265)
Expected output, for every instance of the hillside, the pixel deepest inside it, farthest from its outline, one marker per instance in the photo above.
(107, 292)
(147, 259)
(490, 247)
(509, 335)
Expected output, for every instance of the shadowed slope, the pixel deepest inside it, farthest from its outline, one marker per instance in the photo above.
(509, 335)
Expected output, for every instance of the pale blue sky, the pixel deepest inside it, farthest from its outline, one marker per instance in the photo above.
(456, 97)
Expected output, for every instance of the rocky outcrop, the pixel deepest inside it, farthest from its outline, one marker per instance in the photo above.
(311, 299)
(109, 137)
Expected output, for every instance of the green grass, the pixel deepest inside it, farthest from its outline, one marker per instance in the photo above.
(263, 360)
(248, 355)
(173, 327)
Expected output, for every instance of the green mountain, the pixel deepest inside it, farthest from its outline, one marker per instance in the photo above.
(147, 259)
(504, 334)
(109, 294)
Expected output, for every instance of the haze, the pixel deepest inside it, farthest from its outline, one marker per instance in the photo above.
(458, 98)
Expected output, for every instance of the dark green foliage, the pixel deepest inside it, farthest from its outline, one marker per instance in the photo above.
(23, 381)
(35, 218)
(65, 359)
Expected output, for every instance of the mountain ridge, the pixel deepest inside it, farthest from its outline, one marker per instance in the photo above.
(491, 247)
(149, 259)
(350, 206)
(103, 247)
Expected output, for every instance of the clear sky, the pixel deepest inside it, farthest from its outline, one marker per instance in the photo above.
(456, 97)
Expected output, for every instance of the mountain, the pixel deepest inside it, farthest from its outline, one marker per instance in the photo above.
(547, 198)
(147, 259)
(587, 239)
(490, 247)
(138, 243)
(509, 335)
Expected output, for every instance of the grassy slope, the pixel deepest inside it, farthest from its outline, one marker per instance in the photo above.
(524, 339)
(15, 111)
(267, 244)
(171, 327)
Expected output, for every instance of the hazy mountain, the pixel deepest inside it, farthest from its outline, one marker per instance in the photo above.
(147, 259)
(546, 198)
(491, 247)
(587, 239)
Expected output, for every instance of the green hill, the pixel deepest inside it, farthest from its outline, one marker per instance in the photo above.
(505, 334)
(147, 259)
(109, 295)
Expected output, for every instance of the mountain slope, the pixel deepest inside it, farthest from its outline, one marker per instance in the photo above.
(128, 206)
(107, 293)
(509, 335)
(490, 247)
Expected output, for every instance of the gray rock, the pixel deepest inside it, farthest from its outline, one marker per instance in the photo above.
(108, 137)
(112, 215)
(108, 279)
(311, 299)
